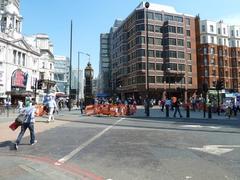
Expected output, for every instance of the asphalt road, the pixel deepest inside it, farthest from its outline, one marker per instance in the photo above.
(127, 148)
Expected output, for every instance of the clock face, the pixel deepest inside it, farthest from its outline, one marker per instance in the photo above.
(87, 73)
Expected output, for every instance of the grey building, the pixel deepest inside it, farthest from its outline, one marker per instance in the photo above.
(104, 65)
(61, 73)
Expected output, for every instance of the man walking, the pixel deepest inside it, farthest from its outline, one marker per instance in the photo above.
(177, 108)
(28, 123)
(52, 105)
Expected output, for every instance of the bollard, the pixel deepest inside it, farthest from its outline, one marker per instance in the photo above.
(167, 111)
(209, 112)
(188, 112)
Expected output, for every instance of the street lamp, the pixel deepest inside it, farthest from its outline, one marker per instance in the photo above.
(70, 70)
(80, 52)
(147, 79)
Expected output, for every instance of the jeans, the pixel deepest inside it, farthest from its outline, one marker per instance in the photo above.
(177, 109)
(24, 126)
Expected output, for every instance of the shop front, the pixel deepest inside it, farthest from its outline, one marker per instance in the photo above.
(18, 91)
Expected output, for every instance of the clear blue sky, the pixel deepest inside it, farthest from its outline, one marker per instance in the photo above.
(92, 17)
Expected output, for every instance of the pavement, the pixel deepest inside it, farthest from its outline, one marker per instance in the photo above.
(19, 166)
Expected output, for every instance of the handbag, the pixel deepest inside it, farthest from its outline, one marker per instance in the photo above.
(21, 118)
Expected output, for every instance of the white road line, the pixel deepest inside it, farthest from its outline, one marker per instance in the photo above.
(82, 146)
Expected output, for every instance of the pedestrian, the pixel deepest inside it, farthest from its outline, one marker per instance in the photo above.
(52, 106)
(28, 123)
(177, 108)
(81, 105)
(20, 106)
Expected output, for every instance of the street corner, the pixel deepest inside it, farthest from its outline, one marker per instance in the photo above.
(25, 167)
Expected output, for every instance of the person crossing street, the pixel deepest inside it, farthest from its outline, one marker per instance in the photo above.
(28, 123)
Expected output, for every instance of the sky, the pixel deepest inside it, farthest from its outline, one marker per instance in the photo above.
(92, 17)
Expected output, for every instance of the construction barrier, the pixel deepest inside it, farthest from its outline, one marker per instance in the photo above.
(110, 110)
(40, 111)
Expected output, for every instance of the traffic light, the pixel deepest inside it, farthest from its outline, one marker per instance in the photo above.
(220, 85)
(40, 84)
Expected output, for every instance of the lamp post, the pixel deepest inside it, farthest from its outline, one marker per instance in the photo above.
(70, 70)
(147, 79)
(80, 52)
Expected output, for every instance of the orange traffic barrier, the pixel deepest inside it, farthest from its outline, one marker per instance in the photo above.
(39, 110)
(110, 110)
(90, 110)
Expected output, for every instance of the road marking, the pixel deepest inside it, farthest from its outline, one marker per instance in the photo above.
(199, 126)
(82, 146)
(216, 149)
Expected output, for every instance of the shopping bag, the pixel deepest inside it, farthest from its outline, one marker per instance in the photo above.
(14, 125)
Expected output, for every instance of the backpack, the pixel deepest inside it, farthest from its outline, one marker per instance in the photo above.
(21, 118)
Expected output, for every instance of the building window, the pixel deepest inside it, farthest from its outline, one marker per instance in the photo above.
(19, 58)
(158, 41)
(151, 40)
(23, 59)
(179, 30)
(158, 16)
(15, 57)
(188, 44)
(159, 79)
(224, 31)
(43, 65)
(168, 17)
(188, 21)
(151, 79)
(219, 31)
(205, 50)
(212, 51)
(212, 39)
(232, 33)
(211, 28)
(172, 29)
(151, 66)
(189, 80)
(180, 54)
(151, 28)
(150, 15)
(140, 40)
(188, 33)
(225, 43)
(204, 39)
(180, 42)
(203, 28)
(171, 41)
(181, 67)
(158, 29)
(220, 41)
(205, 60)
(189, 68)
(237, 33)
(140, 15)
(151, 53)
(189, 56)
(172, 54)
(159, 54)
(159, 66)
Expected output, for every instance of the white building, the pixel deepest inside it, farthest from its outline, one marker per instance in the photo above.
(23, 60)
(219, 33)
